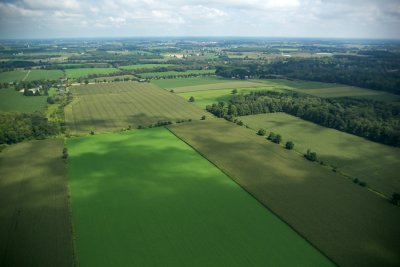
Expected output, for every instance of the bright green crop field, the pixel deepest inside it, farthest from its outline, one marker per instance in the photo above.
(11, 100)
(371, 162)
(76, 73)
(180, 82)
(145, 198)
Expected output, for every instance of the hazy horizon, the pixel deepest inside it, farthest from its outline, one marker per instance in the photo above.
(43, 19)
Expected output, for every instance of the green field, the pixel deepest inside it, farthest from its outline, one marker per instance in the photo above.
(165, 74)
(11, 100)
(12, 76)
(145, 198)
(35, 226)
(180, 82)
(108, 107)
(350, 224)
(204, 98)
(144, 66)
(329, 90)
(374, 163)
(84, 72)
(218, 86)
(44, 74)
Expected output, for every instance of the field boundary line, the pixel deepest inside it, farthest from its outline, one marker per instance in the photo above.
(333, 169)
(69, 207)
(262, 204)
(26, 75)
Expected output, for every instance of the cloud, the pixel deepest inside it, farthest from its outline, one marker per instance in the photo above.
(303, 18)
(52, 4)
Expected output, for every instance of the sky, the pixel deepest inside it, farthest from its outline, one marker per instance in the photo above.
(140, 18)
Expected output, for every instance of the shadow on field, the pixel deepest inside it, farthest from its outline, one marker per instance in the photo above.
(140, 192)
(85, 126)
(368, 161)
(35, 228)
(351, 225)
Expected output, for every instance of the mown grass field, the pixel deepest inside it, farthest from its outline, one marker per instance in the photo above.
(350, 224)
(219, 86)
(144, 66)
(145, 198)
(44, 74)
(329, 90)
(374, 163)
(84, 72)
(180, 82)
(149, 75)
(35, 226)
(14, 101)
(12, 76)
(107, 107)
(208, 97)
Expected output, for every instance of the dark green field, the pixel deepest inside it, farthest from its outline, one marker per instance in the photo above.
(145, 198)
(374, 163)
(329, 90)
(14, 101)
(350, 224)
(35, 227)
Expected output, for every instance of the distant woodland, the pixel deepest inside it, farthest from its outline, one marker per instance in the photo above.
(374, 120)
(377, 70)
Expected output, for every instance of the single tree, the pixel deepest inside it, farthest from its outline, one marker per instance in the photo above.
(289, 145)
(191, 99)
(234, 91)
(261, 132)
(271, 136)
(277, 139)
(203, 117)
(50, 100)
(311, 156)
(395, 199)
(363, 184)
(86, 81)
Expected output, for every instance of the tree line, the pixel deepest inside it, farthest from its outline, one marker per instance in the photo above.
(374, 120)
(373, 70)
(17, 127)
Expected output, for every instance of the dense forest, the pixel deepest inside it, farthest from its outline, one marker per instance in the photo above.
(17, 127)
(377, 70)
(374, 120)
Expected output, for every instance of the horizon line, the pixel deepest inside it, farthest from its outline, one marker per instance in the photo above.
(202, 36)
